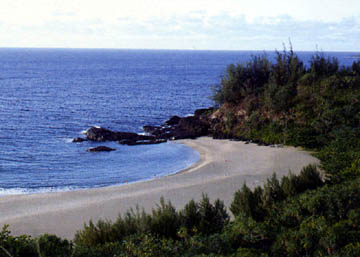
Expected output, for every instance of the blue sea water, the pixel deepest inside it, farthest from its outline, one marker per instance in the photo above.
(49, 96)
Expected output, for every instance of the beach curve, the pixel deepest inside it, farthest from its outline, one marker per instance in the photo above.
(223, 167)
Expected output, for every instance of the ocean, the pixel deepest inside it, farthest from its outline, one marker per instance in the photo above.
(50, 96)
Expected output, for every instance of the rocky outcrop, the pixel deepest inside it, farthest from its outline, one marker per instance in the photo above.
(204, 113)
(127, 138)
(98, 134)
(176, 127)
(174, 120)
(101, 149)
(181, 128)
(103, 134)
(191, 127)
(142, 142)
(78, 140)
(204, 122)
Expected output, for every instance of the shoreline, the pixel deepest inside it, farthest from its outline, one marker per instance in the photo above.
(200, 163)
(223, 167)
(19, 191)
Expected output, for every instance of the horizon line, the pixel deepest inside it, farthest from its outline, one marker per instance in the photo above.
(174, 49)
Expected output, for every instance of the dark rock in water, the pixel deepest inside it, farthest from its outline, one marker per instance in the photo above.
(174, 128)
(102, 134)
(101, 149)
(151, 129)
(79, 140)
(164, 132)
(180, 128)
(141, 142)
(190, 127)
(194, 126)
(98, 134)
(126, 142)
(174, 120)
(125, 138)
(203, 112)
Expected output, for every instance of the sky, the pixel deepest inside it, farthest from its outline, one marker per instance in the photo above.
(326, 25)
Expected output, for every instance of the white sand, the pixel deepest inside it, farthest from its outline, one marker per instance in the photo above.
(224, 166)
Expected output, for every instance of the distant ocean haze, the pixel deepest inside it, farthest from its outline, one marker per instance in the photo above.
(48, 96)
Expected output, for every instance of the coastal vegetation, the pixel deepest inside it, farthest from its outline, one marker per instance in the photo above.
(315, 213)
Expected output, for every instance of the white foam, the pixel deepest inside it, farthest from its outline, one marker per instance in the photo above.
(85, 131)
(26, 191)
(68, 140)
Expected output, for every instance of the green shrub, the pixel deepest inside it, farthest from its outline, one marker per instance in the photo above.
(105, 250)
(309, 178)
(165, 221)
(350, 250)
(243, 80)
(272, 192)
(249, 252)
(248, 203)
(16, 246)
(213, 217)
(190, 217)
(290, 185)
(53, 246)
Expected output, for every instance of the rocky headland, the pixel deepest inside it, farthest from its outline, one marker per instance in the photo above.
(202, 123)
(210, 122)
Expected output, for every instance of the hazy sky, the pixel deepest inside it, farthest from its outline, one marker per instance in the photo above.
(329, 25)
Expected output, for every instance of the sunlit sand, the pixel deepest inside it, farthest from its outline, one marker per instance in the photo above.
(224, 166)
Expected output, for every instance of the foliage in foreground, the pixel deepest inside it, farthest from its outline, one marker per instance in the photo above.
(295, 216)
(315, 106)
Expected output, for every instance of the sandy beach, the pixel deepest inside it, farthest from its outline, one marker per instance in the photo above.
(224, 166)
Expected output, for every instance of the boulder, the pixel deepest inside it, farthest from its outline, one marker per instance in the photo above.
(103, 134)
(164, 132)
(141, 142)
(101, 149)
(78, 140)
(175, 128)
(153, 130)
(174, 120)
(202, 113)
(191, 127)
(180, 128)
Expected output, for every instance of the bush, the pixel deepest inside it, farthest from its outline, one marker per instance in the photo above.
(16, 246)
(272, 192)
(290, 185)
(53, 246)
(213, 217)
(165, 221)
(243, 80)
(248, 203)
(190, 218)
(309, 178)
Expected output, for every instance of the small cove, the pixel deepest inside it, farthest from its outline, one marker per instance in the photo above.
(48, 96)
